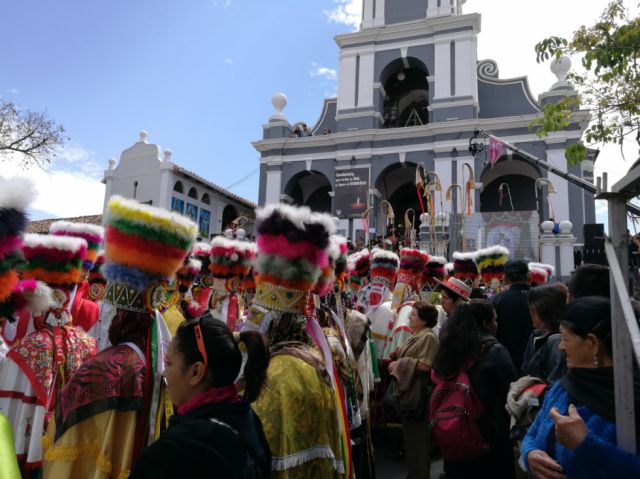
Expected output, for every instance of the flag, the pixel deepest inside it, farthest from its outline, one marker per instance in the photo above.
(496, 149)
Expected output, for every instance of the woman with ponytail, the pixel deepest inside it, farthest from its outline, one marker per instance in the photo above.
(214, 430)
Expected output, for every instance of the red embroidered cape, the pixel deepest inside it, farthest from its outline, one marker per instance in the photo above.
(85, 313)
(39, 356)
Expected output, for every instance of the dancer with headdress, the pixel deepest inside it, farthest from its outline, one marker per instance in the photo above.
(301, 423)
(412, 263)
(109, 411)
(84, 312)
(38, 365)
(384, 269)
(230, 262)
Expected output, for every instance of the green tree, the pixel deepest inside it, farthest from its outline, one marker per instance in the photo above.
(608, 83)
(31, 134)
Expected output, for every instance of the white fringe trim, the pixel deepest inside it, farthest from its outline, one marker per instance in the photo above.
(298, 458)
(77, 228)
(61, 243)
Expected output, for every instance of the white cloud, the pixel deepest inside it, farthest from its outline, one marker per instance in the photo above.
(222, 3)
(323, 72)
(347, 12)
(70, 187)
(14, 91)
(228, 61)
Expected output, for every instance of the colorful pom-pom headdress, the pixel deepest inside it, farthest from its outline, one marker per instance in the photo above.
(464, 267)
(490, 262)
(434, 269)
(144, 248)
(92, 234)
(292, 252)
(540, 272)
(15, 196)
(412, 263)
(324, 285)
(384, 267)
(359, 265)
(55, 260)
(230, 261)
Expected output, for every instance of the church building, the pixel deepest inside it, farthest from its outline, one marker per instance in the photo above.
(411, 92)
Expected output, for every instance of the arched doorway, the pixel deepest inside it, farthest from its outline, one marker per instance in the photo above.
(229, 213)
(310, 188)
(396, 184)
(407, 93)
(517, 177)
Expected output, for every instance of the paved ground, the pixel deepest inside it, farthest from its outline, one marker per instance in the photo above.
(383, 443)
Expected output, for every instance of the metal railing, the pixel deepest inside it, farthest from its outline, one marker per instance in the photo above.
(624, 326)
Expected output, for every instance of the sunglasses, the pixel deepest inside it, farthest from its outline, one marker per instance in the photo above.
(199, 341)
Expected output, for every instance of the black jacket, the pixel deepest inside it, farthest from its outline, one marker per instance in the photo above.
(514, 321)
(213, 441)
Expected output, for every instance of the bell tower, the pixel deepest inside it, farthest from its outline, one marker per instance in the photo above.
(411, 63)
(376, 13)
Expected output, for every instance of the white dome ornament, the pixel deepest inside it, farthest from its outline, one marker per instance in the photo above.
(279, 102)
(560, 68)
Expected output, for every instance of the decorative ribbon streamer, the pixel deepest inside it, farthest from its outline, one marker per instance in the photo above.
(232, 312)
(316, 333)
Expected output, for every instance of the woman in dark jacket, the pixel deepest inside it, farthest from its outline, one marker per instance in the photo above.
(214, 432)
(468, 339)
(543, 358)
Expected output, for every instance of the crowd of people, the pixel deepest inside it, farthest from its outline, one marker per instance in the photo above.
(134, 351)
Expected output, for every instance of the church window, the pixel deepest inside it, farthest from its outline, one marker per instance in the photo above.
(178, 187)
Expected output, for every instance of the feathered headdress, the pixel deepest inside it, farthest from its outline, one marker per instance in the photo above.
(230, 258)
(292, 252)
(434, 269)
(540, 272)
(384, 267)
(448, 269)
(464, 267)
(325, 283)
(144, 244)
(490, 262)
(15, 196)
(202, 252)
(412, 263)
(55, 260)
(341, 262)
(359, 265)
(93, 234)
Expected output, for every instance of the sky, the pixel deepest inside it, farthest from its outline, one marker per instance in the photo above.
(198, 76)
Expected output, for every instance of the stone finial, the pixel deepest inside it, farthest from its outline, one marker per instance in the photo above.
(566, 227)
(560, 68)
(241, 234)
(167, 155)
(112, 164)
(279, 102)
(143, 136)
(547, 227)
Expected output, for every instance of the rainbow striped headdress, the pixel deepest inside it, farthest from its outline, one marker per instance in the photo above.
(54, 260)
(15, 196)
(464, 266)
(358, 265)
(412, 263)
(144, 246)
(384, 267)
(202, 252)
(434, 269)
(490, 262)
(292, 252)
(93, 234)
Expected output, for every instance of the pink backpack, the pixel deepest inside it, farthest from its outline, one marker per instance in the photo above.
(453, 413)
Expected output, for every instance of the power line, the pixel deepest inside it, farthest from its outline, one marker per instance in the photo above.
(243, 179)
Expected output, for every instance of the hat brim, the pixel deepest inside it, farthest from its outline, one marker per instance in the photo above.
(442, 284)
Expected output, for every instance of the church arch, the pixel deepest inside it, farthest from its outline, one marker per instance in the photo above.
(406, 90)
(396, 184)
(310, 188)
(519, 176)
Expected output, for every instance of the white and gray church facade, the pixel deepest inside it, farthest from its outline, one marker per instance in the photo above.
(411, 90)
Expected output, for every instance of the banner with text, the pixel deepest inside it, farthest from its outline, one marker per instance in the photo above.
(352, 187)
